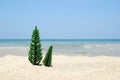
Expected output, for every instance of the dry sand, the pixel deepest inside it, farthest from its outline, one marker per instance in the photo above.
(64, 68)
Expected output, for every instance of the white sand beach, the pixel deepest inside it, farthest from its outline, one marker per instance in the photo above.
(16, 67)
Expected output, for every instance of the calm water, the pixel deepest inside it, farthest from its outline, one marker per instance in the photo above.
(70, 46)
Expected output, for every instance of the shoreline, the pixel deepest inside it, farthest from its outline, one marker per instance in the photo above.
(112, 50)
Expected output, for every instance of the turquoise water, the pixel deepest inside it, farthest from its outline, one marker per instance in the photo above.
(25, 42)
(72, 46)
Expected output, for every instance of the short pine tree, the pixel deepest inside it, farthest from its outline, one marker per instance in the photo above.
(48, 57)
(35, 52)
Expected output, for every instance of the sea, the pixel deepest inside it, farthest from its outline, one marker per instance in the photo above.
(90, 47)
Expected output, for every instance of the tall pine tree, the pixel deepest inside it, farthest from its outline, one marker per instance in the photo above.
(35, 52)
(48, 57)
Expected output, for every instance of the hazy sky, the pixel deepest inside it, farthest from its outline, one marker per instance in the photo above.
(69, 19)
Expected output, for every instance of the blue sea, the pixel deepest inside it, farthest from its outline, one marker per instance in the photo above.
(71, 46)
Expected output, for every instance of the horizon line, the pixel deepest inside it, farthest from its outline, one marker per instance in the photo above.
(59, 39)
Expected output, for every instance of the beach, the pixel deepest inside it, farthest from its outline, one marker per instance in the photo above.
(14, 65)
(59, 39)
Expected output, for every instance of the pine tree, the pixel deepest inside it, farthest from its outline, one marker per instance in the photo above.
(48, 57)
(35, 52)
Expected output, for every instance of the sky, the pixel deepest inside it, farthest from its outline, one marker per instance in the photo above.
(60, 19)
